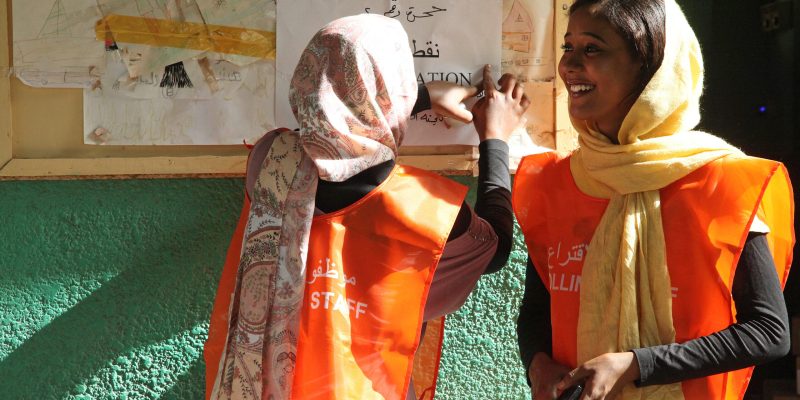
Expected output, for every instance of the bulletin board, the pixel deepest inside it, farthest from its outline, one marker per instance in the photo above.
(41, 134)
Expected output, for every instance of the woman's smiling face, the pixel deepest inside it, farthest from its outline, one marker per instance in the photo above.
(600, 72)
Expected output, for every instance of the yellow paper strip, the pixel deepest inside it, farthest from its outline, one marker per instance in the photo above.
(187, 35)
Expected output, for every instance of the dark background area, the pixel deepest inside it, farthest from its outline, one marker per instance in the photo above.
(751, 84)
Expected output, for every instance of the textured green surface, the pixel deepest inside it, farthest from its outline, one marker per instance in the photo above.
(106, 286)
(481, 359)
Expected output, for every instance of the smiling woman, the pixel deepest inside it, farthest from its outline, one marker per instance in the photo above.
(605, 68)
(669, 218)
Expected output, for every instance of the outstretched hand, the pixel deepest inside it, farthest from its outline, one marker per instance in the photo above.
(502, 110)
(447, 99)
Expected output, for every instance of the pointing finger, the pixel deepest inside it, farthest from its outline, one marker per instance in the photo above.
(488, 81)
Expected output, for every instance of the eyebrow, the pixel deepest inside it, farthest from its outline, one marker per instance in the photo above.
(594, 35)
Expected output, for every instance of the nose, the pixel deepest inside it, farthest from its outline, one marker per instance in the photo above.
(571, 61)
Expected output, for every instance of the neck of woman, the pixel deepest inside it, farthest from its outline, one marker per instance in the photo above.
(333, 196)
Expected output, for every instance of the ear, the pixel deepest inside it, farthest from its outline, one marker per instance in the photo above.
(643, 79)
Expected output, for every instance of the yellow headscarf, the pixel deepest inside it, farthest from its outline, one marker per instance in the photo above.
(625, 300)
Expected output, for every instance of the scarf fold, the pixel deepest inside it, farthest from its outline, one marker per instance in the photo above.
(626, 297)
(352, 93)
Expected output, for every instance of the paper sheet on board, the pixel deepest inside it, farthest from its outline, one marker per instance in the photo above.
(528, 54)
(229, 105)
(54, 43)
(218, 99)
(145, 57)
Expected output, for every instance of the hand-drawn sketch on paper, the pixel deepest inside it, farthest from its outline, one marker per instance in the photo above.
(256, 15)
(450, 40)
(228, 104)
(143, 49)
(54, 43)
(528, 54)
(204, 87)
(212, 88)
(528, 38)
(518, 29)
(152, 34)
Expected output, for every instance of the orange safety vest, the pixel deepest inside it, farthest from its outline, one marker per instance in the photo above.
(368, 272)
(706, 217)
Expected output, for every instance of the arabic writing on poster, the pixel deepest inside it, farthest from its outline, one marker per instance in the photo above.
(426, 53)
(450, 40)
(430, 118)
(410, 14)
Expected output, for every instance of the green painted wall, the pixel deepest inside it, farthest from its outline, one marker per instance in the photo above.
(106, 286)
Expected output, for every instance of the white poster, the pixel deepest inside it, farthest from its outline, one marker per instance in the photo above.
(451, 40)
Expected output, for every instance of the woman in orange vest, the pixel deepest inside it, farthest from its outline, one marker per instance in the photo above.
(653, 248)
(342, 258)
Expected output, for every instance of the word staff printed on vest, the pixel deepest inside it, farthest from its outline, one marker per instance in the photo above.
(332, 300)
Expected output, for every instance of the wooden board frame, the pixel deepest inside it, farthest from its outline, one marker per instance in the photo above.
(5, 89)
(29, 150)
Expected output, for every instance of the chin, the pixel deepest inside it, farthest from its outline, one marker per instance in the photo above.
(579, 114)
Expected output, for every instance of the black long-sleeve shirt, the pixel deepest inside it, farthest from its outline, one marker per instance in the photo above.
(760, 334)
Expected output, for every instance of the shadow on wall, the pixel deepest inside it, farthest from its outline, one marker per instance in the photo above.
(139, 333)
(106, 288)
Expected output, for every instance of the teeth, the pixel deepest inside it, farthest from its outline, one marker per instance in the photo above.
(580, 88)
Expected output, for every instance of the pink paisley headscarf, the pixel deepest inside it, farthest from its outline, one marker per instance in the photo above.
(352, 93)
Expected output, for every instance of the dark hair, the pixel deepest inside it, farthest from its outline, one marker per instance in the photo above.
(642, 23)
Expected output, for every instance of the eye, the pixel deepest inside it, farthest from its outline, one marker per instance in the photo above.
(589, 49)
(566, 47)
